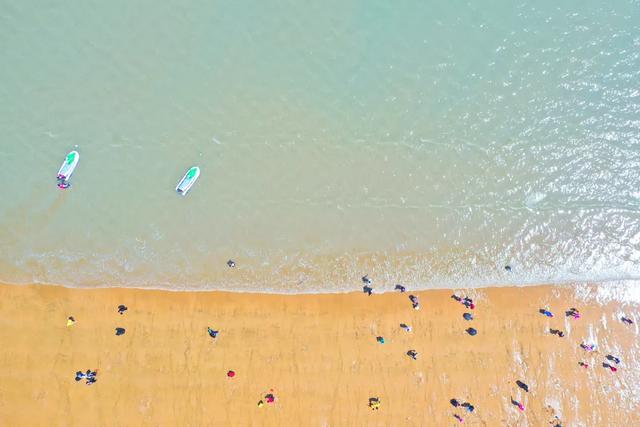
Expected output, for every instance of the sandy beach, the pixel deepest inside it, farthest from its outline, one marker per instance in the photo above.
(317, 355)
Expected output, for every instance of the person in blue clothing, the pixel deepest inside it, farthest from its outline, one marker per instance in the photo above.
(546, 312)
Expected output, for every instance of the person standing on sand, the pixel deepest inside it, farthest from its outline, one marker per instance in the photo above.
(572, 312)
(412, 354)
(546, 312)
(374, 403)
(613, 359)
(414, 302)
(405, 327)
(518, 404)
(458, 417)
(213, 334)
(584, 365)
(122, 308)
(468, 302)
(522, 386)
(468, 406)
(557, 332)
(588, 347)
(71, 321)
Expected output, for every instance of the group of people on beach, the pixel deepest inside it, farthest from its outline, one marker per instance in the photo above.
(610, 363)
(467, 302)
(464, 405)
(90, 376)
(268, 397)
(574, 313)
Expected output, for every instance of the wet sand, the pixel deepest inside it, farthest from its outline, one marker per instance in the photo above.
(319, 355)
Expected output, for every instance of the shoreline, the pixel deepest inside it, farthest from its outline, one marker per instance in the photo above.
(305, 273)
(618, 284)
(318, 352)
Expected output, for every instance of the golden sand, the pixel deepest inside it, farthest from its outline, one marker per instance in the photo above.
(317, 354)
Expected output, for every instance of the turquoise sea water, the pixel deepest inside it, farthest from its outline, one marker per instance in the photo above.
(428, 143)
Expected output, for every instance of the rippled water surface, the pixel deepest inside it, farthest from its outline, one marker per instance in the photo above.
(428, 143)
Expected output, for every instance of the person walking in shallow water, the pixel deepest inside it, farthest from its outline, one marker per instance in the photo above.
(626, 320)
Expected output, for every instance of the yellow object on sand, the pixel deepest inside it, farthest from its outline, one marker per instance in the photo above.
(70, 321)
(260, 404)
